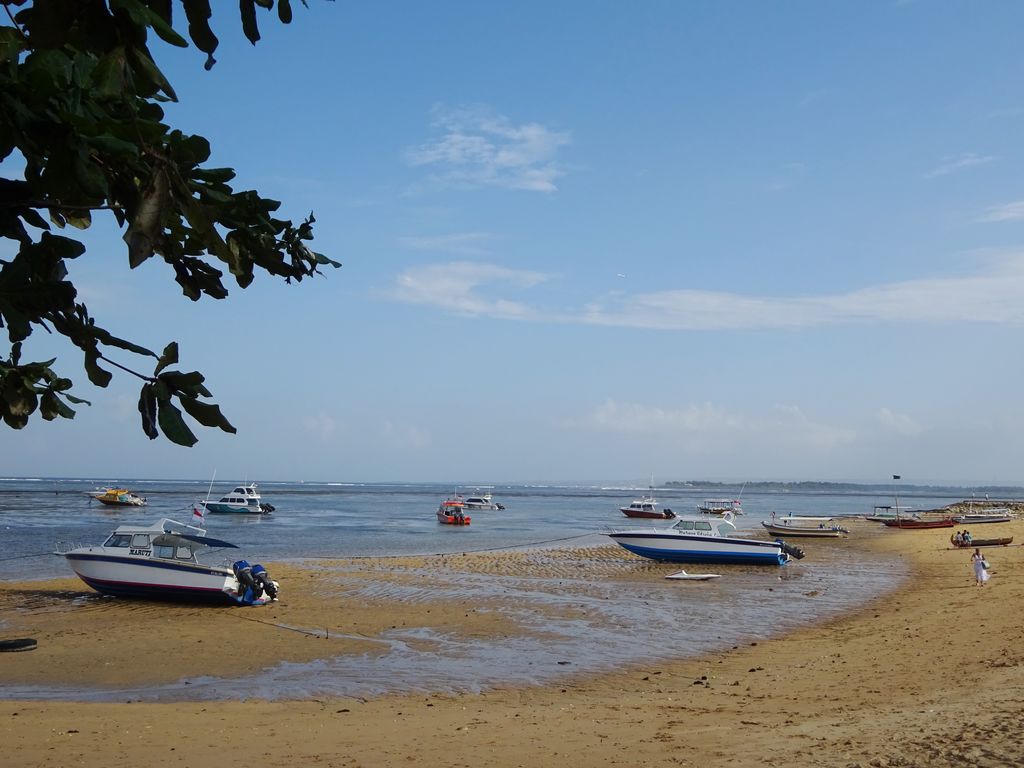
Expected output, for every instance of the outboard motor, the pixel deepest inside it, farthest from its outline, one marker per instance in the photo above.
(262, 578)
(248, 589)
(795, 552)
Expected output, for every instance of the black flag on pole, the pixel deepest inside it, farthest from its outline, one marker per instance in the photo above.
(895, 477)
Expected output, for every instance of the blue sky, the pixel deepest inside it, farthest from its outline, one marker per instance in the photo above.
(592, 241)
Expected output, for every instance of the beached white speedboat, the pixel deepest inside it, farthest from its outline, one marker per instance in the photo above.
(163, 562)
(242, 500)
(695, 539)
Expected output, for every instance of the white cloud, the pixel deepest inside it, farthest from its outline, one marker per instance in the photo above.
(633, 417)
(899, 423)
(468, 243)
(990, 296)
(1007, 212)
(960, 162)
(321, 424)
(454, 287)
(784, 424)
(479, 148)
(405, 435)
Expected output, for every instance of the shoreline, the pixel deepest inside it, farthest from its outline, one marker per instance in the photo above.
(931, 672)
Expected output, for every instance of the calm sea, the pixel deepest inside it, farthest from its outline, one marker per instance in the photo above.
(638, 621)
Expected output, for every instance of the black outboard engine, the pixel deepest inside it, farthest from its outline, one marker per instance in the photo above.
(793, 551)
(262, 578)
(248, 588)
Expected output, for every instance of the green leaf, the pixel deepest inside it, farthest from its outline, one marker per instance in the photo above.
(11, 43)
(198, 14)
(174, 427)
(52, 407)
(249, 26)
(169, 357)
(147, 409)
(284, 11)
(207, 414)
(144, 17)
(97, 375)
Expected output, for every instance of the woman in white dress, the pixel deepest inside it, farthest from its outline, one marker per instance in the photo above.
(980, 567)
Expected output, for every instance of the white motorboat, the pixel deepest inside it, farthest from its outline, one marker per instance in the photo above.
(244, 500)
(720, 507)
(647, 507)
(168, 561)
(989, 516)
(481, 500)
(696, 539)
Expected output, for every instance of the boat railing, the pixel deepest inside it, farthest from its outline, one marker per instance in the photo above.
(63, 547)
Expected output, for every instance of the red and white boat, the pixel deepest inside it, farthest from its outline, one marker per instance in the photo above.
(647, 507)
(452, 512)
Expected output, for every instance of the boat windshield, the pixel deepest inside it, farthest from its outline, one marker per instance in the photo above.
(697, 526)
(118, 540)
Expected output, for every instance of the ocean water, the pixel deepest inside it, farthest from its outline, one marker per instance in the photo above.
(624, 610)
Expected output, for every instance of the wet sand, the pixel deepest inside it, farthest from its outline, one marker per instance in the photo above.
(931, 674)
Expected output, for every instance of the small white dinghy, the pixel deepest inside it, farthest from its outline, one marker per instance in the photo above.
(684, 576)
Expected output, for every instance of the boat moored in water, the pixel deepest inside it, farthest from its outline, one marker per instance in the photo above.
(696, 539)
(168, 561)
(118, 497)
(481, 500)
(720, 507)
(243, 500)
(452, 512)
(646, 507)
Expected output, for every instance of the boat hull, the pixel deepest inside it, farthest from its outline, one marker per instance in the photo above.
(125, 576)
(636, 514)
(911, 525)
(1003, 542)
(811, 533)
(683, 548)
(218, 508)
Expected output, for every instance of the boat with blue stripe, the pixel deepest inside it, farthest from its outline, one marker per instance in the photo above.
(702, 540)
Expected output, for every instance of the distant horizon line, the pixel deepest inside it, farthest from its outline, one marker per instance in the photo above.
(624, 484)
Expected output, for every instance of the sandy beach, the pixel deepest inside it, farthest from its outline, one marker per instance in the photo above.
(931, 674)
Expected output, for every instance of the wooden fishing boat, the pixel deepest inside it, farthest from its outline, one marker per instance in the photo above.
(914, 524)
(1001, 542)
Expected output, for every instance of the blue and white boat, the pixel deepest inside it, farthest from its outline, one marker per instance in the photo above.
(695, 539)
(243, 500)
(165, 561)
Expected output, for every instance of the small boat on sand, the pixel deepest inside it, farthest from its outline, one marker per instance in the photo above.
(118, 497)
(807, 527)
(698, 539)
(452, 512)
(168, 561)
(684, 576)
(1000, 542)
(918, 524)
(884, 512)
(989, 516)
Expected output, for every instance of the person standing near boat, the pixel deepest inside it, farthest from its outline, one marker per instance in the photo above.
(980, 567)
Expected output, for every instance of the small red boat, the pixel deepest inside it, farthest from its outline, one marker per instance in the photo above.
(452, 512)
(914, 524)
(647, 507)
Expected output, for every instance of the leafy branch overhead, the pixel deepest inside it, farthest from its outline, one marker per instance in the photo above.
(80, 110)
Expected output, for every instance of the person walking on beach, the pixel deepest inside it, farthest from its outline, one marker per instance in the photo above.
(980, 567)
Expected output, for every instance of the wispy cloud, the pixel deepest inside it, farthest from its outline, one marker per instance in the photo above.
(899, 423)
(480, 148)
(644, 419)
(782, 422)
(990, 296)
(1006, 212)
(321, 424)
(467, 243)
(960, 162)
(405, 435)
(453, 287)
